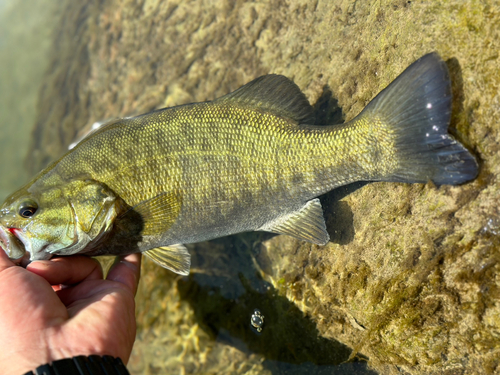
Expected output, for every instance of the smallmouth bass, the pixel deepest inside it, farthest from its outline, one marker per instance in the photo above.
(251, 160)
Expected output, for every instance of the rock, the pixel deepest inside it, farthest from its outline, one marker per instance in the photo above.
(411, 277)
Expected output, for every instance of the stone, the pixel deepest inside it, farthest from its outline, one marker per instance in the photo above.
(410, 281)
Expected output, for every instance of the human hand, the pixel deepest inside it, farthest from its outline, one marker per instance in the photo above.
(63, 308)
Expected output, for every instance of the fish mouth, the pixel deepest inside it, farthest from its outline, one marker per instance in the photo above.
(11, 244)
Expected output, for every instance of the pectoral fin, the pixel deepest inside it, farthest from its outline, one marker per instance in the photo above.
(158, 213)
(174, 258)
(305, 224)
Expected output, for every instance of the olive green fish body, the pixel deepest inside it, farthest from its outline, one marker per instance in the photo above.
(250, 160)
(234, 169)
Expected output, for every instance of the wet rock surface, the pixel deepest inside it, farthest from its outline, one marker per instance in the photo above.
(411, 277)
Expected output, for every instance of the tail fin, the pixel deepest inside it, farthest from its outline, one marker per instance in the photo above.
(416, 107)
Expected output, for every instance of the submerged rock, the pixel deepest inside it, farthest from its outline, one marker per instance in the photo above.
(411, 277)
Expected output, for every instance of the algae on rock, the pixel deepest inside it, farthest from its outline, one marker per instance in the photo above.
(411, 279)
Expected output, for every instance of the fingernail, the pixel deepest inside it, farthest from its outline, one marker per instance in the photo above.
(38, 265)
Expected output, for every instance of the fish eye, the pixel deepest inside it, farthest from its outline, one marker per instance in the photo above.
(27, 208)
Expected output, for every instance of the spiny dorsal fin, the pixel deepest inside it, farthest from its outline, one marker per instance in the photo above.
(159, 212)
(305, 224)
(276, 94)
(94, 128)
(173, 257)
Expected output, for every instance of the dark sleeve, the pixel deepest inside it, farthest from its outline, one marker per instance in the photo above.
(81, 365)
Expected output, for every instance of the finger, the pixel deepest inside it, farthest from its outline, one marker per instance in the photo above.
(67, 270)
(26, 300)
(127, 271)
(84, 291)
(123, 276)
(5, 262)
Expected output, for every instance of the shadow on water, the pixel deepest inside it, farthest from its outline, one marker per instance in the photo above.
(327, 110)
(458, 97)
(338, 214)
(225, 288)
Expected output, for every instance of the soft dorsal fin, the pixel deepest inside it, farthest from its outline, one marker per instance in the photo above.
(276, 94)
(159, 212)
(173, 257)
(305, 224)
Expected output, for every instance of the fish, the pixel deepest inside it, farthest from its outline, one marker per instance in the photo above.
(252, 160)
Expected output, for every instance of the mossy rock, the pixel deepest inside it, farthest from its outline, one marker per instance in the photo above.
(411, 278)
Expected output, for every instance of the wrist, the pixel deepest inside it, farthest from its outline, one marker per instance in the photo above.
(81, 365)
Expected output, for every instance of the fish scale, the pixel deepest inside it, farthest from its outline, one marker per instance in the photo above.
(251, 160)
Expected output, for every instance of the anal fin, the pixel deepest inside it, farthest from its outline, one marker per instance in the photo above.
(305, 224)
(175, 258)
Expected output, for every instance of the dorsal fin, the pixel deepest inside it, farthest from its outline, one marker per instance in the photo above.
(273, 93)
(94, 128)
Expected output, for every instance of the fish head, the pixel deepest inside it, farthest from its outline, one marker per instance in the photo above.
(61, 220)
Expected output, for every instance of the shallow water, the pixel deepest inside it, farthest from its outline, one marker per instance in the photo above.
(410, 278)
(25, 40)
(224, 288)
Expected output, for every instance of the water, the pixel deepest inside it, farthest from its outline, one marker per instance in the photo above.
(221, 301)
(218, 300)
(25, 41)
(410, 279)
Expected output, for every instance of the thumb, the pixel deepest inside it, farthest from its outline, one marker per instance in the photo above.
(127, 271)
